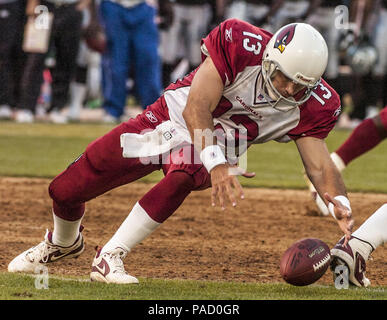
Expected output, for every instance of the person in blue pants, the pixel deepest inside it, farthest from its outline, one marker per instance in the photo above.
(132, 41)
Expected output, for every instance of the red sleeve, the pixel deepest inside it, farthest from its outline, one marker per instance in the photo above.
(319, 114)
(234, 45)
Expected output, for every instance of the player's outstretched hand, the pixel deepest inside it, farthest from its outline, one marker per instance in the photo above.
(225, 182)
(343, 216)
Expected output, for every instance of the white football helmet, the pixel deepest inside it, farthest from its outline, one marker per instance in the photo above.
(300, 52)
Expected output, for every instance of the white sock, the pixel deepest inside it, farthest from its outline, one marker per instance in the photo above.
(374, 229)
(338, 161)
(136, 227)
(65, 232)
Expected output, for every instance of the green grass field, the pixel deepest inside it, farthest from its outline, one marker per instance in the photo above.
(44, 150)
(23, 287)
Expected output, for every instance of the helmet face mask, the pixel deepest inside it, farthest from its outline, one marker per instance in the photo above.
(299, 52)
(269, 70)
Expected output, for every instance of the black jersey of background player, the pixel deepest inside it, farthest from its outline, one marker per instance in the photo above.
(384, 4)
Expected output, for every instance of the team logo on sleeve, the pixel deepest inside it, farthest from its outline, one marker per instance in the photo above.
(229, 35)
(151, 117)
(284, 38)
(337, 112)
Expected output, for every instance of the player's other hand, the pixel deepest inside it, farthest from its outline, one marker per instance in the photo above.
(343, 215)
(225, 184)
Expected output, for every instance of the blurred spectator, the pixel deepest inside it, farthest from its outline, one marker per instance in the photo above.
(291, 11)
(181, 40)
(132, 40)
(321, 14)
(379, 71)
(361, 54)
(12, 19)
(64, 35)
(86, 83)
(257, 12)
(218, 12)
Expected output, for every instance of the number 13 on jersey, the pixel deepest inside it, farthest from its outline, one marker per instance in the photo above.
(252, 45)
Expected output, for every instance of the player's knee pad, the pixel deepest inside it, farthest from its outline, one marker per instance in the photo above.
(183, 161)
(61, 194)
(178, 181)
(65, 204)
(68, 188)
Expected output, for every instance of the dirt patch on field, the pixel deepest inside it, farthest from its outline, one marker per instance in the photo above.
(197, 242)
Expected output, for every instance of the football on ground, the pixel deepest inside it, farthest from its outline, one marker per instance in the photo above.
(305, 262)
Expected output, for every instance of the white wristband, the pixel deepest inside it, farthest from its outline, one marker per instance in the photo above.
(344, 201)
(211, 156)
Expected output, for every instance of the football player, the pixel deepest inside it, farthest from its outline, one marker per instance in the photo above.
(379, 70)
(251, 87)
(367, 28)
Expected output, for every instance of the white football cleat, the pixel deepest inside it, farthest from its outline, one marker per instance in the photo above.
(108, 267)
(353, 256)
(45, 252)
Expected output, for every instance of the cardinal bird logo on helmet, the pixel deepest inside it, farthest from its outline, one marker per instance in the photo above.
(284, 37)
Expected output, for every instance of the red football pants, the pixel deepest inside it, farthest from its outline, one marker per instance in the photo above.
(102, 168)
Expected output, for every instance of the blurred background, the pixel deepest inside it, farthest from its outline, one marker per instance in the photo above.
(104, 61)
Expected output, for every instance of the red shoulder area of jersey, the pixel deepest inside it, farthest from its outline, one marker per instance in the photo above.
(319, 114)
(234, 45)
(184, 82)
